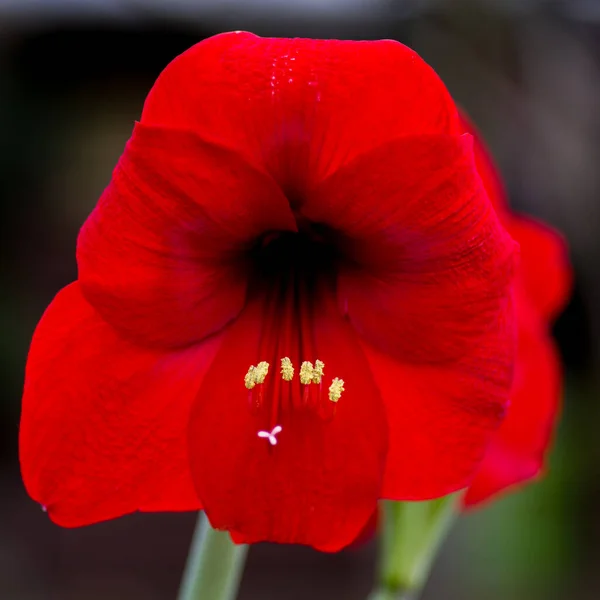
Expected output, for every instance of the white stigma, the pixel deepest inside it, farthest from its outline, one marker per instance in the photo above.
(270, 435)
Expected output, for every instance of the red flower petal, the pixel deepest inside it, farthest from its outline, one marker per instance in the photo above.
(319, 485)
(162, 257)
(545, 273)
(103, 422)
(305, 107)
(544, 279)
(517, 451)
(432, 264)
(544, 269)
(441, 417)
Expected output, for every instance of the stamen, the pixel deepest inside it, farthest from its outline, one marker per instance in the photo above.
(287, 369)
(303, 396)
(318, 371)
(262, 368)
(335, 389)
(249, 377)
(306, 372)
(256, 374)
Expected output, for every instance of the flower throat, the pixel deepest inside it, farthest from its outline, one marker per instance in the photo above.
(291, 269)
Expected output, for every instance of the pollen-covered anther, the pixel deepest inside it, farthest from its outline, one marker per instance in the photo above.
(256, 374)
(335, 389)
(317, 374)
(262, 368)
(287, 369)
(306, 372)
(249, 377)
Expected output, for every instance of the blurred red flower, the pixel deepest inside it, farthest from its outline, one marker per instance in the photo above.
(542, 288)
(280, 199)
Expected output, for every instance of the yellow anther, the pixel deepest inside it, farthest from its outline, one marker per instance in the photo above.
(262, 368)
(249, 378)
(256, 374)
(306, 372)
(287, 369)
(335, 389)
(317, 374)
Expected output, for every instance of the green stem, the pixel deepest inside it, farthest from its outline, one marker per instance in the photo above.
(214, 565)
(412, 535)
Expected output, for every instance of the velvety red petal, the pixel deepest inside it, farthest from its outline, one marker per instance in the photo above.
(163, 256)
(430, 264)
(518, 450)
(103, 426)
(441, 417)
(320, 483)
(545, 273)
(305, 107)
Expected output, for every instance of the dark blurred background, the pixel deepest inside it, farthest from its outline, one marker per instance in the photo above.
(73, 77)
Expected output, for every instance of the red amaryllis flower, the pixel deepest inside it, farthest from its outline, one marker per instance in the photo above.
(542, 287)
(293, 299)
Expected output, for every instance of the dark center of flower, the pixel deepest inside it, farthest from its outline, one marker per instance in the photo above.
(309, 253)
